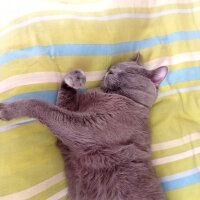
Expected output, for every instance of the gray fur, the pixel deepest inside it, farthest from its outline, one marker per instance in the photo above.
(103, 134)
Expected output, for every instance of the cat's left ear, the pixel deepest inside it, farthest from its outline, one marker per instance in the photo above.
(137, 58)
(158, 75)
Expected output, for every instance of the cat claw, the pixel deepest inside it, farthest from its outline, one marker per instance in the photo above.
(75, 79)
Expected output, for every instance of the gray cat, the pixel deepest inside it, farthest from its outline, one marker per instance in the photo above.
(103, 134)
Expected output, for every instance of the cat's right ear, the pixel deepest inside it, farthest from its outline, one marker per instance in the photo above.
(158, 75)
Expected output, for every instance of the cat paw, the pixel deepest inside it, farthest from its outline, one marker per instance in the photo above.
(75, 79)
(4, 112)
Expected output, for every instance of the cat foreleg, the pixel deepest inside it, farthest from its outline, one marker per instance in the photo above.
(26, 108)
(68, 126)
(67, 95)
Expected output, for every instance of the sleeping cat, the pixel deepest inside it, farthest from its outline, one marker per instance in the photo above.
(103, 134)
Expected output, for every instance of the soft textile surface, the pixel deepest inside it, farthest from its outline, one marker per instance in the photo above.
(42, 40)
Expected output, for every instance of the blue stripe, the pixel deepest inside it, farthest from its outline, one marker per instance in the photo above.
(49, 96)
(182, 75)
(181, 182)
(97, 49)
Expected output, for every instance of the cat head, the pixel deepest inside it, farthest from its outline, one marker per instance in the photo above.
(132, 80)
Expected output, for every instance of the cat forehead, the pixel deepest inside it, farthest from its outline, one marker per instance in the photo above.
(126, 64)
(130, 65)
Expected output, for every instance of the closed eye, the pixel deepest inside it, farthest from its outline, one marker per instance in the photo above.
(129, 71)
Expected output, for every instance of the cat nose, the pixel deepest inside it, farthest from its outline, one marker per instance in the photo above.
(110, 71)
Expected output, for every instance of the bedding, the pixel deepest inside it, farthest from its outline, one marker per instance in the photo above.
(41, 40)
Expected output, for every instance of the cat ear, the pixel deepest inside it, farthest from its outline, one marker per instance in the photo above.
(137, 58)
(158, 75)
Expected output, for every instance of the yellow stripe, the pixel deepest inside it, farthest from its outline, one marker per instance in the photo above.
(58, 64)
(179, 122)
(177, 167)
(62, 35)
(177, 86)
(29, 155)
(186, 193)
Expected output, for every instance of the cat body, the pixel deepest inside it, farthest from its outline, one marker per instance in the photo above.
(118, 170)
(103, 134)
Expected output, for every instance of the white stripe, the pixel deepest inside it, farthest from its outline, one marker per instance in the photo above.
(180, 175)
(42, 77)
(98, 18)
(27, 79)
(52, 77)
(173, 60)
(147, 3)
(21, 8)
(173, 158)
(59, 195)
(95, 76)
(174, 143)
(178, 91)
(32, 191)
(16, 124)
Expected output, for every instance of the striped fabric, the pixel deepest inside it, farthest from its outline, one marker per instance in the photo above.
(43, 39)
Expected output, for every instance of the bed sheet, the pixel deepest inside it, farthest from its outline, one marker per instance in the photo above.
(41, 40)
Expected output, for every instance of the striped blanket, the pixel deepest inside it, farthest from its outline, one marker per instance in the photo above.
(41, 40)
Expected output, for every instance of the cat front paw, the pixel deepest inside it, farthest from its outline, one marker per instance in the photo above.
(5, 112)
(75, 79)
